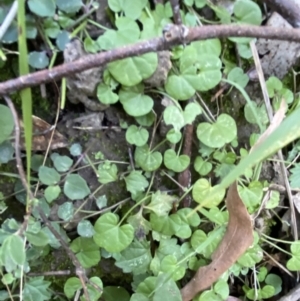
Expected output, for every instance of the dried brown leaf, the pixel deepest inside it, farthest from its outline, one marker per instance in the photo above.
(236, 241)
(41, 136)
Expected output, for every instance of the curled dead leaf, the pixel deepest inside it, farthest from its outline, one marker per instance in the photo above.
(237, 239)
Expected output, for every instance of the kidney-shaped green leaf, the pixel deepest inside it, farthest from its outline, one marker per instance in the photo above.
(133, 70)
(75, 187)
(175, 162)
(216, 135)
(111, 236)
(6, 123)
(147, 160)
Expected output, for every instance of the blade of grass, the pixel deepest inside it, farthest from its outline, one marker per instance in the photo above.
(26, 95)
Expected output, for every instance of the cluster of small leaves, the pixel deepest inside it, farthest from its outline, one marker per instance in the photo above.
(196, 68)
(56, 17)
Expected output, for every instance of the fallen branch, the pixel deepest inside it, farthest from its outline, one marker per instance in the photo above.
(153, 45)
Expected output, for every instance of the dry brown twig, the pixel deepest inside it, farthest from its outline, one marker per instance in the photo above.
(80, 271)
(152, 45)
(176, 12)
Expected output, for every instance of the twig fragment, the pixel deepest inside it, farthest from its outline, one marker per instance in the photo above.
(152, 45)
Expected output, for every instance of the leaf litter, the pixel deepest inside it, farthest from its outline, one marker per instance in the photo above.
(237, 239)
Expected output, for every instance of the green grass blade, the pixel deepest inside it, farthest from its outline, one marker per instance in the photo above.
(26, 95)
(288, 131)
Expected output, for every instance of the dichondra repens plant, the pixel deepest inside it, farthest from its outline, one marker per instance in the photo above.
(182, 145)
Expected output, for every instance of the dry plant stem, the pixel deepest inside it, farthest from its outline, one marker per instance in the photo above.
(7, 288)
(51, 273)
(288, 9)
(279, 264)
(279, 153)
(176, 12)
(50, 140)
(152, 45)
(79, 270)
(293, 295)
(184, 178)
(19, 164)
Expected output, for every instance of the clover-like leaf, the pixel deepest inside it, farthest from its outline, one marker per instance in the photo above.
(174, 136)
(166, 225)
(146, 120)
(75, 187)
(133, 70)
(13, 249)
(210, 46)
(134, 10)
(6, 123)
(179, 87)
(39, 239)
(66, 211)
(52, 193)
(37, 287)
(85, 228)
(42, 8)
(106, 95)
(169, 265)
(111, 236)
(202, 167)
(248, 12)
(128, 32)
(274, 85)
(256, 114)
(137, 135)
(175, 162)
(107, 173)
(251, 195)
(69, 6)
(210, 72)
(161, 203)
(87, 252)
(136, 182)
(174, 116)
(202, 190)
(135, 259)
(62, 163)
(48, 176)
(238, 76)
(62, 39)
(147, 160)
(190, 112)
(135, 103)
(216, 135)
(38, 60)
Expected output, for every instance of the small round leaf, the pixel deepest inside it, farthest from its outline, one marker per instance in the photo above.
(202, 191)
(75, 187)
(216, 135)
(48, 176)
(6, 123)
(110, 236)
(38, 60)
